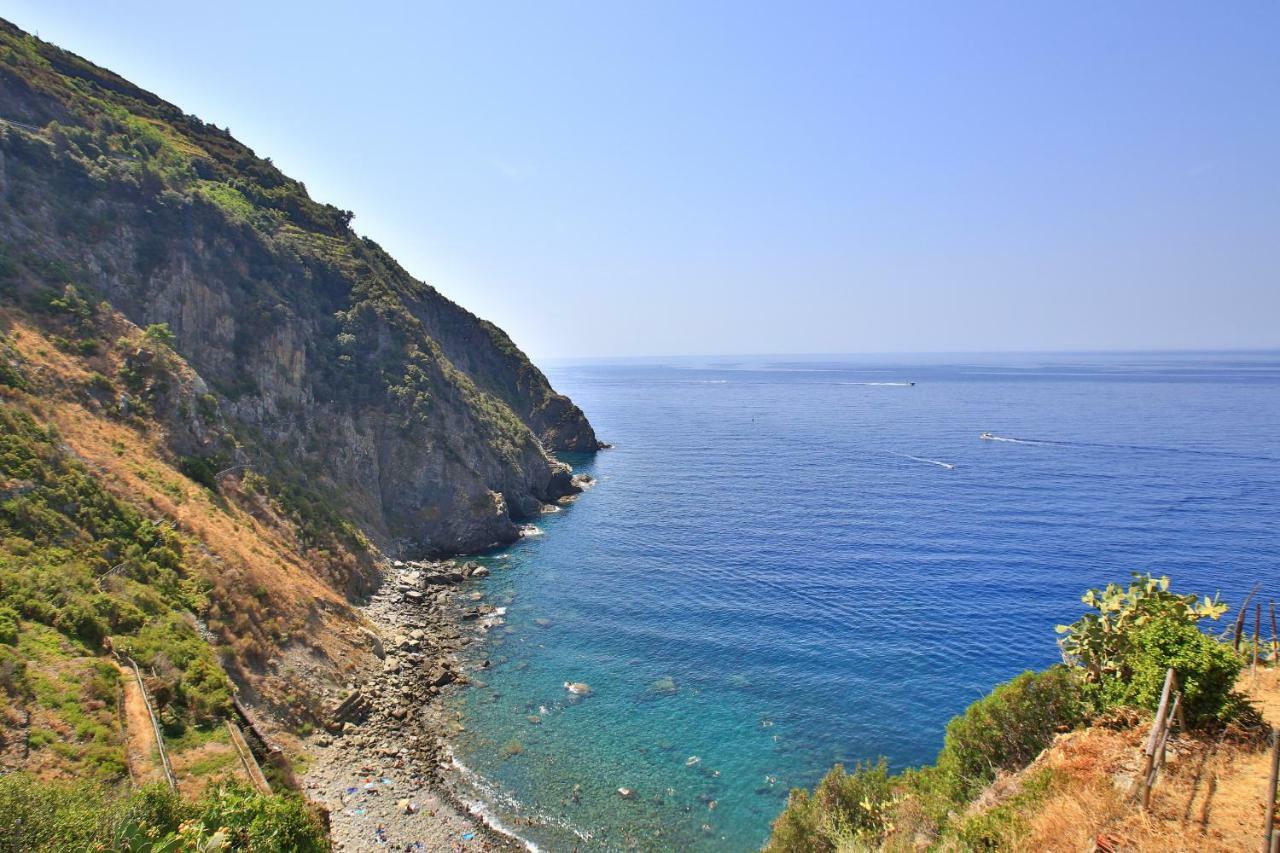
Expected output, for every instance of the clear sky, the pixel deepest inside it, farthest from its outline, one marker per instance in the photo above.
(649, 178)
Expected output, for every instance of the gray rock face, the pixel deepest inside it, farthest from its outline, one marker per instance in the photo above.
(333, 369)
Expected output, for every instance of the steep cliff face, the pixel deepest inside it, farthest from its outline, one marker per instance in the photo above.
(331, 368)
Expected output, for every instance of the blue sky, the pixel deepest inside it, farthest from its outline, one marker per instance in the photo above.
(695, 178)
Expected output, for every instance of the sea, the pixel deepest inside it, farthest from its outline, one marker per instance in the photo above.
(791, 562)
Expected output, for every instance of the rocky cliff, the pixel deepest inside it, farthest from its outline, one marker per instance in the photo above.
(315, 359)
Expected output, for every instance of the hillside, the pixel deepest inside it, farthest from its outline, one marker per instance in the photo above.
(1053, 760)
(221, 411)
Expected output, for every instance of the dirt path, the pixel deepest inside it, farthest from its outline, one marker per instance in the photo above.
(141, 752)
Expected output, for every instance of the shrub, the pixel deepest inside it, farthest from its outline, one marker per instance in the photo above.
(254, 822)
(13, 674)
(1206, 670)
(201, 469)
(846, 811)
(38, 815)
(1003, 827)
(8, 625)
(43, 816)
(1099, 642)
(160, 334)
(1007, 729)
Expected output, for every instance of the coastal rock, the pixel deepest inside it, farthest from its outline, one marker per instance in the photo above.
(438, 676)
(310, 341)
(374, 641)
(578, 688)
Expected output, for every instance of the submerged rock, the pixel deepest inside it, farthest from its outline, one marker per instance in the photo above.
(578, 688)
(665, 686)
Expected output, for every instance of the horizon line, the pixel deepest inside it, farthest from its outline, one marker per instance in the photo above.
(881, 353)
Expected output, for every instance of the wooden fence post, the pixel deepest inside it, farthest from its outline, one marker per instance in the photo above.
(1244, 609)
(1179, 714)
(1275, 645)
(1257, 634)
(1268, 836)
(1156, 740)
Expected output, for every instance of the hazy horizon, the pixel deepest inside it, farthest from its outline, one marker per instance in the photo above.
(551, 359)
(711, 180)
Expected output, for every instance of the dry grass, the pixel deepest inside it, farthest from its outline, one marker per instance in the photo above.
(202, 766)
(267, 592)
(1210, 797)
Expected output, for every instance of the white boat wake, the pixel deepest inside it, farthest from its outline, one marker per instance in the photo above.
(949, 466)
(880, 384)
(1143, 448)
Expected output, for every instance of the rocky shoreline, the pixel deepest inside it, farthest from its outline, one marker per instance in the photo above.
(383, 770)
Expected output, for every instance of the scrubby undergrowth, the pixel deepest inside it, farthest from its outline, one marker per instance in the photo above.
(1115, 658)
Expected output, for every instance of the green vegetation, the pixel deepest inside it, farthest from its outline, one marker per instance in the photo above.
(1000, 828)
(201, 469)
(57, 816)
(1124, 649)
(10, 366)
(1007, 729)
(78, 566)
(159, 334)
(1100, 642)
(1117, 657)
(847, 811)
(1207, 670)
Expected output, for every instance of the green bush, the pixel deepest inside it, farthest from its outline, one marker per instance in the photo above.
(1002, 827)
(37, 815)
(41, 816)
(846, 810)
(1206, 670)
(10, 374)
(1007, 729)
(201, 469)
(159, 334)
(13, 673)
(1099, 642)
(254, 822)
(8, 625)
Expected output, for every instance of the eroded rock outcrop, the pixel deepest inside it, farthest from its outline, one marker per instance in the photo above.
(331, 368)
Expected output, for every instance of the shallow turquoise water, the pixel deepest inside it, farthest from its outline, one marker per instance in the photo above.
(780, 541)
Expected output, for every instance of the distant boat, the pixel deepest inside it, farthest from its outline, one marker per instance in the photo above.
(986, 436)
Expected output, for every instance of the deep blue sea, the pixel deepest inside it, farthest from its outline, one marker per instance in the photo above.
(792, 562)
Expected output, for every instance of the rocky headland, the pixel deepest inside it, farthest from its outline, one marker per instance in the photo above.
(225, 416)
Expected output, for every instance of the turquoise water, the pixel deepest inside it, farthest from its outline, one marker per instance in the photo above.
(776, 571)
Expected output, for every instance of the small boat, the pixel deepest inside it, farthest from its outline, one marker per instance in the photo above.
(986, 436)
